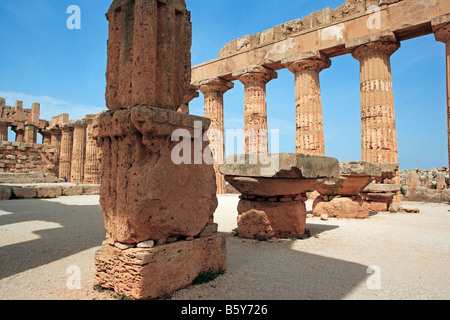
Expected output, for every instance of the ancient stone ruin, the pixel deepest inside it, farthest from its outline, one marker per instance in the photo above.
(68, 152)
(158, 214)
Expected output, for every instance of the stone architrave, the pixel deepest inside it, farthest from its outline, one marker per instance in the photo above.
(65, 156)
(155, 185)
(78, 152)
(441, 28)
(254, 79)
(213, 90)
(93, 154)
(309, 136)
(379, 135)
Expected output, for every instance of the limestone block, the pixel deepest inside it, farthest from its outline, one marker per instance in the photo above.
(24, 193)
(5, 193)
(287, 219)
(342, 207)
(48, 191)
(139, 199)
(149, 273)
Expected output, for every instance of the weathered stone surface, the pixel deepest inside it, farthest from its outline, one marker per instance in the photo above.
(254, 224)
(139, 199)
(156, 272)
(5, 193)
(282, 165)
(24, 192)
(342, 207)
(149, 59)
(286, 219)
(382, 188)
(353, 177)
(48, 191)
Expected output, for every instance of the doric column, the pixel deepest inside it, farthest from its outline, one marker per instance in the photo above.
(190, 94)
(441, 28)
(309, 136)
(213, 90)
(46, 136)
(65, 155)
(19, 130)
(30, 135)
(379, 136)
(254, 80)
(3, 131)
(78, 152)
(55, 141)
(93, 154)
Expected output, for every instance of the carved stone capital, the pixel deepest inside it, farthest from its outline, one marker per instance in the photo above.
(255, 74)
(380, 47)
(214, 85)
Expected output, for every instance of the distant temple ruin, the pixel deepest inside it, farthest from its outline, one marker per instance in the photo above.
(68, 152)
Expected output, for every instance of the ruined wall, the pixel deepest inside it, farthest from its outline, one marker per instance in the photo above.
(429, 185)
(17, 157)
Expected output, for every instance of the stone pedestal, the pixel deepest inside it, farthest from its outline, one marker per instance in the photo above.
(309, 137)
(379, 135)
(254, 80)
(213, 90)
(341, 197)
(157, 193)
(273, 202)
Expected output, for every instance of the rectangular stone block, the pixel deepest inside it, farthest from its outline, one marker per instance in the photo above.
(24, 193)
(48, 191)
(156, 272)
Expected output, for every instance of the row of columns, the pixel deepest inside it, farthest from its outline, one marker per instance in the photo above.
(79, 159)
(378, 132)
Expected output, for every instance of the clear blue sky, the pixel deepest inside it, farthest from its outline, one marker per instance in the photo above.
(41, 60)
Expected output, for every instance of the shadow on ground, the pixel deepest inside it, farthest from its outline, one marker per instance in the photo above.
(82, 228)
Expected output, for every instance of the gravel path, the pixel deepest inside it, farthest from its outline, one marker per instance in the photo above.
(45, 243)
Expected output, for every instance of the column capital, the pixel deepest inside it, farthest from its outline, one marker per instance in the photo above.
(214, 85)
(89, 119)
(79, 124)
(190, 94)
(252, 74)
(309, 60)
(383, 47)
(441, 28)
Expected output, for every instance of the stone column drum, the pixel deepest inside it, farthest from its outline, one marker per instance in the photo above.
(441, 28)
(158, 212)
(65, 156)
(254, 80)
(272, 202)
(309, 136)
(78, 152)
(379, 136)
(213, 90)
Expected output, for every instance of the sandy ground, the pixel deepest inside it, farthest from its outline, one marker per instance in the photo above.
(47, 243)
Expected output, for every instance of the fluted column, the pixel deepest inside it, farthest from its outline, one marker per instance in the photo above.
(93, 154)
(19, 130)
(30, 135)
(78, 152)
(3, 131)
(254, 80)
(213, 90)
(55, 141)
(65, 156)
(441, 28)
(46, 136)
(379, 136)
(309, 136)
